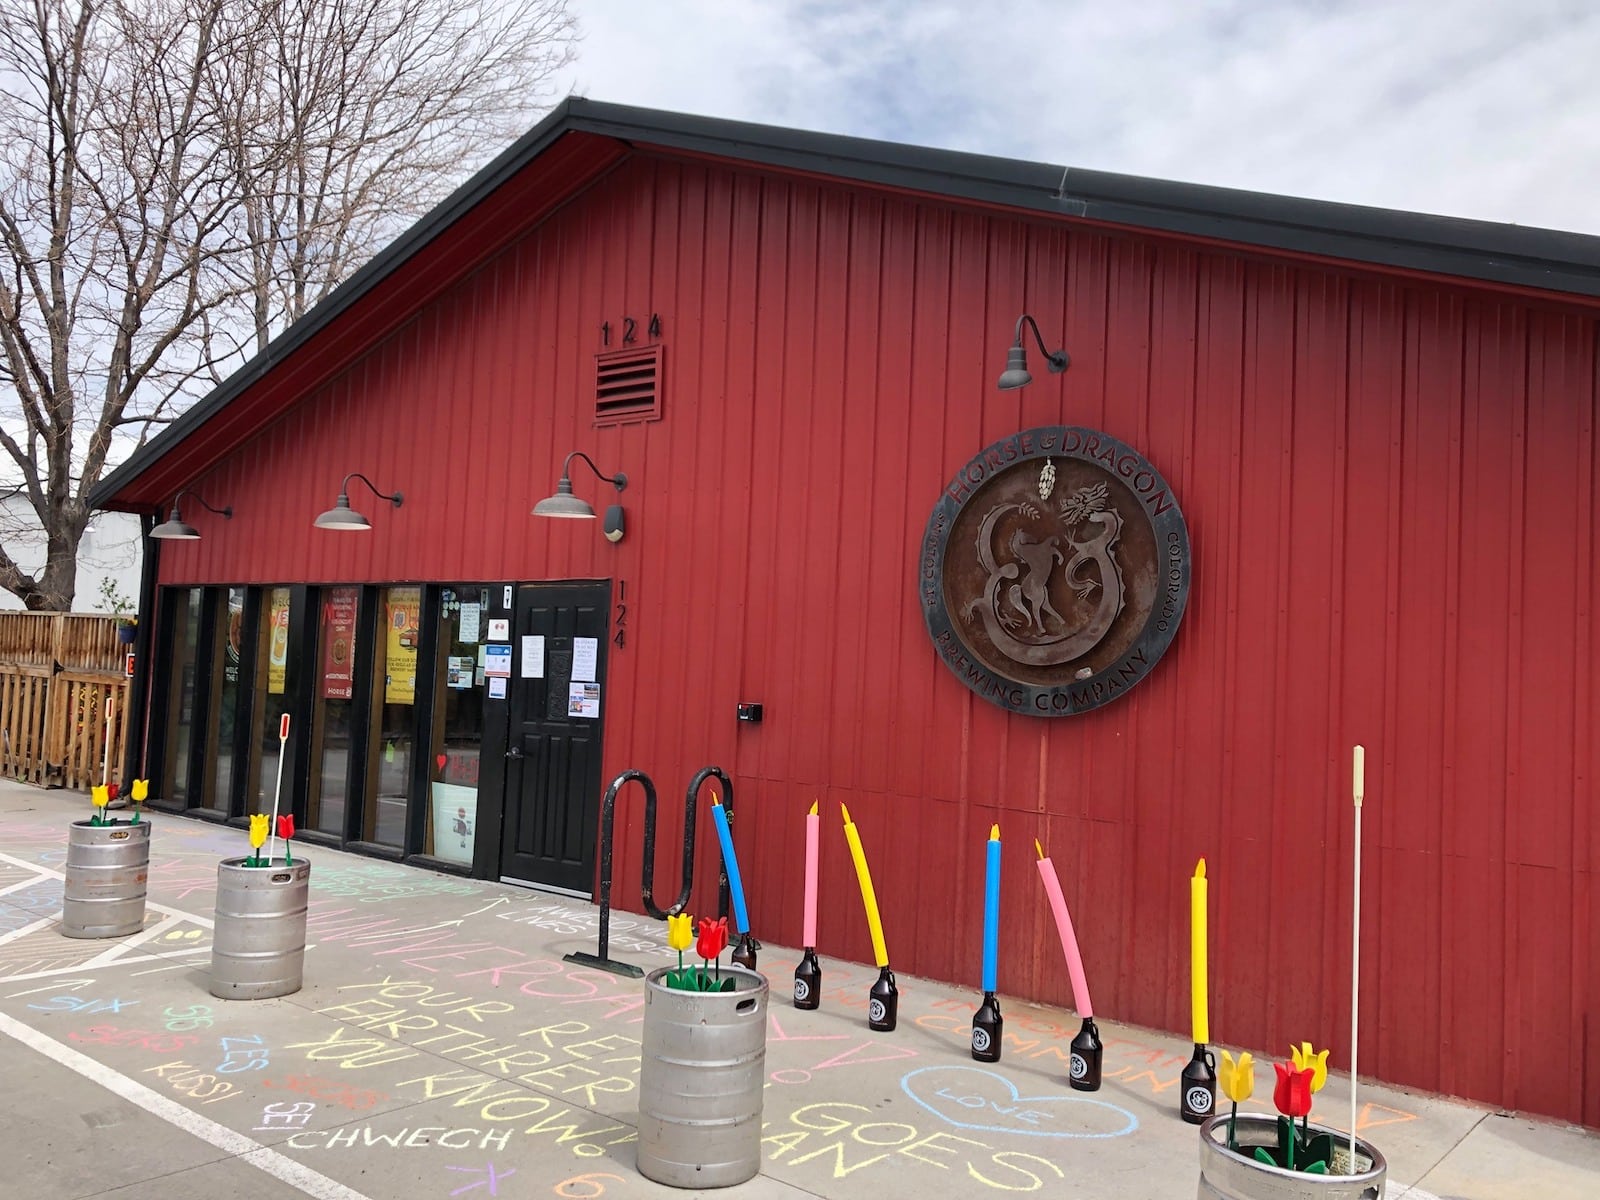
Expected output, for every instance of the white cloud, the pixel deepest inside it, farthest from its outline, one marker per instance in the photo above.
(1480, 108)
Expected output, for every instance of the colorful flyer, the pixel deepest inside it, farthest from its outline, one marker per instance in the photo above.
(339, 608)
(277, 640)
(497, 662)
(403, 630)
(583, 700)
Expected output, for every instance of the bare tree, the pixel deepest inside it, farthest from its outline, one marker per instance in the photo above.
(180, 179)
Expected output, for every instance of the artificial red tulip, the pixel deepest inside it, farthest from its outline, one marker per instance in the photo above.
(713, 937)
(1292, 1094)
(286, 826)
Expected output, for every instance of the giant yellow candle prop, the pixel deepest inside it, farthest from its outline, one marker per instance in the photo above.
(1197, 953)
(868, 898)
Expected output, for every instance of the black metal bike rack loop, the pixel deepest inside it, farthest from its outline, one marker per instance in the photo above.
(608, 815)
(690, 803)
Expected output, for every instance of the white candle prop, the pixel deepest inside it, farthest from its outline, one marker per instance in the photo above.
(272, 830)
(105, 765)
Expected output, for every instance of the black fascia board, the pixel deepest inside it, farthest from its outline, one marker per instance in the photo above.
(1519, 256)
(1523, 256)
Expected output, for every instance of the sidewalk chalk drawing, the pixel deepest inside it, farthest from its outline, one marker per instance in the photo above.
(972, 1098)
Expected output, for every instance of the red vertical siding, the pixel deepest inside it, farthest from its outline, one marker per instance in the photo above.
(1391, 493)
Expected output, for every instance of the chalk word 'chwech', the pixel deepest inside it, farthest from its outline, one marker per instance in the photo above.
(344, 1138)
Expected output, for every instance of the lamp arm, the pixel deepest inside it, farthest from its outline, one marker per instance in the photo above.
(344, 488)
(619, 480)
(1027, 319)
(226, 511)
(1058, 359)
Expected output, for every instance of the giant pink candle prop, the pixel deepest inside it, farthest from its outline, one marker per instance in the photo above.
(1069, 939)
(813, 831)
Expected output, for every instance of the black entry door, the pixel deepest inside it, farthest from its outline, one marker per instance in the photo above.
(552, 783)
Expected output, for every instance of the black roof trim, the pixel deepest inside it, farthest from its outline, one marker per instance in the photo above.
(1522, 256)
(1518, 256)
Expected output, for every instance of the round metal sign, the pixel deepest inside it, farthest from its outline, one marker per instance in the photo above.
(1054, 571)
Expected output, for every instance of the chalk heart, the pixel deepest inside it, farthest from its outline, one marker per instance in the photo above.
(972, 1098)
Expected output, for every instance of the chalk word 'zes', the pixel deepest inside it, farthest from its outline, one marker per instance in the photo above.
(242, 1054)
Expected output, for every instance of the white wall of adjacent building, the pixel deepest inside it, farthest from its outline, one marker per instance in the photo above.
(111, 550)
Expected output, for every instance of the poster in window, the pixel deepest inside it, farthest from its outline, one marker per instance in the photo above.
(470, 613)
(402, 632)
(278, 640)
(230, 668)
(338, 642)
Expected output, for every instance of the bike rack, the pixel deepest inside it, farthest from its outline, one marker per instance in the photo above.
(608, 812)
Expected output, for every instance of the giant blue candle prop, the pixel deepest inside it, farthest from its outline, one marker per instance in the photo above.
(986, 1022)
(744, 953)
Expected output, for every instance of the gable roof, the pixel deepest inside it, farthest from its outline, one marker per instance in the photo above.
(582, 139)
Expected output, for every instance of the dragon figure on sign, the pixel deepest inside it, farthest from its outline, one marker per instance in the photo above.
(1016, 607)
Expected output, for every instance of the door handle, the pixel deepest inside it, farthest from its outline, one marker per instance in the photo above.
(514, 752)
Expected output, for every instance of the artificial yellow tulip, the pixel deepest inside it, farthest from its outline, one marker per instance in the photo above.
(680, 932)
(100, 795)
(141, 789)
(1317, 1064)
(1238, 1080)
(258, 829)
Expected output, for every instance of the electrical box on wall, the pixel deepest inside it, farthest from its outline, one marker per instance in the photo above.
(750, 713)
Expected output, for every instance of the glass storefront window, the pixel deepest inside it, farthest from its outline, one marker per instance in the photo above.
(457, 734)
(389, 762)
(182, 676)
(271, 698)
(333, 710)
(222, 731)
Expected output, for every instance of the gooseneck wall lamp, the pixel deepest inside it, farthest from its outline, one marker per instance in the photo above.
(565, 504)
(175, 528)
(342, 516)
(1016, 373)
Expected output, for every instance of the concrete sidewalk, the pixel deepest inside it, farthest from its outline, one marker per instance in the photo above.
(441, 1047)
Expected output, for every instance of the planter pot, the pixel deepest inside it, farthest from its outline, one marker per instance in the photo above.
(127, 634)
(258, 948)
(106, 871)
(702, 1067)
(1225, 1175)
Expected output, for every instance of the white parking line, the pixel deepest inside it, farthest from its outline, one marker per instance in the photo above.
(25, 930)
(248, 1150)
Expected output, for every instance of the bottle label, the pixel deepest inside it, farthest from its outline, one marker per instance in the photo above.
(980, 1039)
(1199, 1099)
(802, 990)
(1079, 1066)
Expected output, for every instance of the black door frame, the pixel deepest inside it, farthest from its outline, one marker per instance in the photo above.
(601, 591)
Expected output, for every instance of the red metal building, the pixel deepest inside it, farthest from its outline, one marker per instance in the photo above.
(1381, 428)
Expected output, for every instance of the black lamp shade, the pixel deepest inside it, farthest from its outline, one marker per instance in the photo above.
(564, 503)
(1016, 373)
(175, 528)
(342, 516)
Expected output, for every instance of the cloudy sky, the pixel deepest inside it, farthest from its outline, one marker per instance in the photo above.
(1477, 108)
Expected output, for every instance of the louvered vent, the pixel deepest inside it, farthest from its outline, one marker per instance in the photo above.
(627, 386)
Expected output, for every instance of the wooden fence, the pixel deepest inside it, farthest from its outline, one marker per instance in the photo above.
(57, 671)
